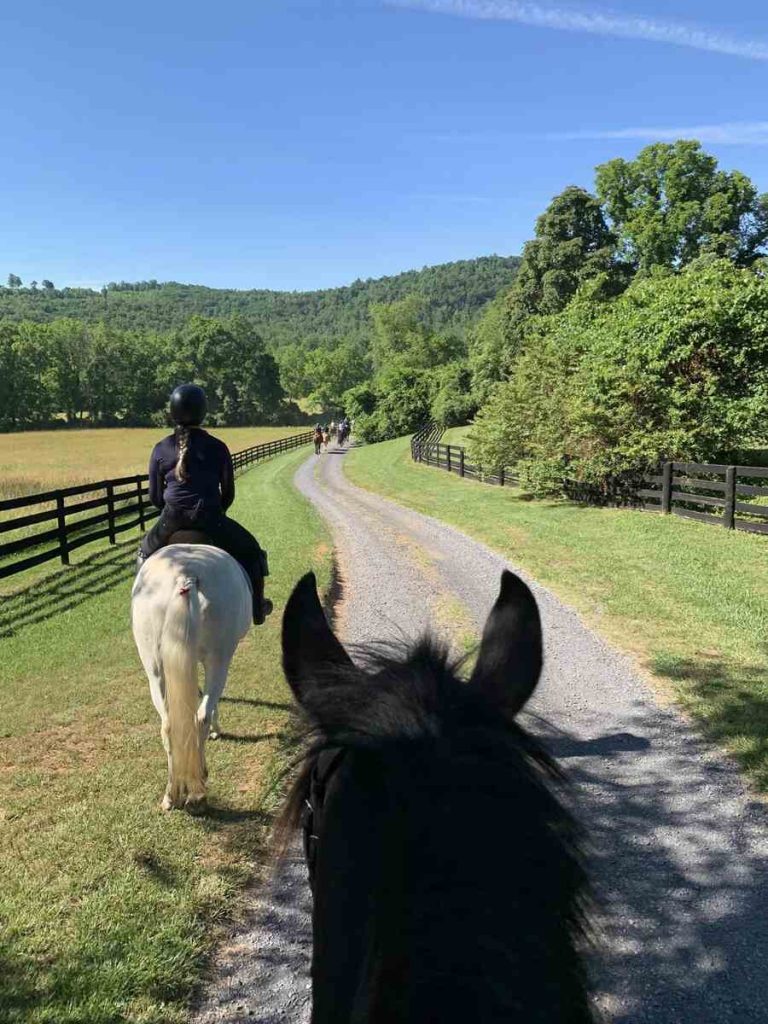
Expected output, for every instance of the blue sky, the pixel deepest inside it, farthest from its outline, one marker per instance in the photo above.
(301, 144)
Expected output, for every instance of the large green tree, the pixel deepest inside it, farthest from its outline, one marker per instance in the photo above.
(672, 203)
(573, 247)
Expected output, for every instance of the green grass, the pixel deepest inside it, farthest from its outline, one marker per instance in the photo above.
(689, 601)
(108, 906)
(456, 435)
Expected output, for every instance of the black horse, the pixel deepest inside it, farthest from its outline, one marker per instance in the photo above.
(448, 884)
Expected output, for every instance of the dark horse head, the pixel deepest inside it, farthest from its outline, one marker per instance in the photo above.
(447, 881)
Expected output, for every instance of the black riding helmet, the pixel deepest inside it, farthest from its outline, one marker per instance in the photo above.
(188, 405)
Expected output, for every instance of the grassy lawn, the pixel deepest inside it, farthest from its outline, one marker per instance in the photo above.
(689, 601)
(45, 459)
(108, 906)
(456, 435)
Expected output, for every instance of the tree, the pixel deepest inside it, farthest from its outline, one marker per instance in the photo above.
(572, 244)
(48, 285)
(228, 358)
(14, 281)
(489, 351)
(401, 402)
(671, 204)
(573, 248)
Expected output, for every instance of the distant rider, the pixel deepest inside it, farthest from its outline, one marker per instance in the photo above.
(191, 479)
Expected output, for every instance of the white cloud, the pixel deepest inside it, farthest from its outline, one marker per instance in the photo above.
(596, 22)
(732, 133)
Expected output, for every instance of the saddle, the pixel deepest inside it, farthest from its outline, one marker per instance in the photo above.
(189, 537)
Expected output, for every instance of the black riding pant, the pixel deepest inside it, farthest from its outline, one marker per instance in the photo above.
(222, 532)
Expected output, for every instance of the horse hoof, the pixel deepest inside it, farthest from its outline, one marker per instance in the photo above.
(196, 805)
(213, 735)
(166, 803)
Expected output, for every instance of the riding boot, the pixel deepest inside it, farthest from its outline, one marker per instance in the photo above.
(261, 606)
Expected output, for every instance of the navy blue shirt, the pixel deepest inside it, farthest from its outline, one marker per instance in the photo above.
(210, 482)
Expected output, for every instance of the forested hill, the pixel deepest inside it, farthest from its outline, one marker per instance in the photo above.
(453, 294)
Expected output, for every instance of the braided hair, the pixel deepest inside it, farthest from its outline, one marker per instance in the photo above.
(182, 444)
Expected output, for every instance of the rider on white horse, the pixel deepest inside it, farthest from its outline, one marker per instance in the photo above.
(192, 481)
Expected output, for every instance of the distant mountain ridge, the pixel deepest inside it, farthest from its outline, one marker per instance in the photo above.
(454, 294)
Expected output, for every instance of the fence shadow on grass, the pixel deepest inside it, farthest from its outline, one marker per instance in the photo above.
(257, 703)
(233, 737)
(65, 589)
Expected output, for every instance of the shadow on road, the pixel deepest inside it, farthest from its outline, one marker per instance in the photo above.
(681, 876)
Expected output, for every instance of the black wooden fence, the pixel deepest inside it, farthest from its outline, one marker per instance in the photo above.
(708, 492)
(105, 509)
(711, 493)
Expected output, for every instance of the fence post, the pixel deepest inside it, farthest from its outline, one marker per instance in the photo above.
(111, 512)
(61, 520)
(449, 459)
(140, 498)
(730, 498)
(461, 462)
(666, 488)
(501, 476)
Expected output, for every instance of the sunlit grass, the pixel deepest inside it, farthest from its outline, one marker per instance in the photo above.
(108, 907)
(688, 600)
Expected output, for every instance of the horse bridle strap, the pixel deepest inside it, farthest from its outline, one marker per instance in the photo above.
(326, 764)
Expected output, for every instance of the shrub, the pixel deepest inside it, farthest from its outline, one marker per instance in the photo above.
(675, 368)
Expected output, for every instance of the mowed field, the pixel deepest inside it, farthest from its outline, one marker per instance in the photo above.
(107, 905)
(43, 460)
(689, 601)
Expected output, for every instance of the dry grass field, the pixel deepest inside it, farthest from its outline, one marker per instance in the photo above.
(43, 460)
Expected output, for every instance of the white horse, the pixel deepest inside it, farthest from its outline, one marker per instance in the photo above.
(190, 603)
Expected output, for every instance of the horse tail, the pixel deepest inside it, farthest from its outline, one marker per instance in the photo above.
(178, 652)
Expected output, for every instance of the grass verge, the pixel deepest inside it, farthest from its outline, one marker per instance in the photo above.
(108, 906)
(689, 601)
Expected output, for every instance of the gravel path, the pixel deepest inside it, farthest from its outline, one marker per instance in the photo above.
(680, 850)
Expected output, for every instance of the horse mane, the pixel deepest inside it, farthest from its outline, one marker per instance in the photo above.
(436, 743)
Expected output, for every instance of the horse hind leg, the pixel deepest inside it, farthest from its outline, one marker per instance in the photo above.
(216, 671)
(157, 693)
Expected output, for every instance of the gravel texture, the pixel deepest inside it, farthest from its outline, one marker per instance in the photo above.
(679, 847)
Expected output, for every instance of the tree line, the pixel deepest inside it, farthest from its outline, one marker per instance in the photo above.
(308, 347)
(453, 293)
(71, 372)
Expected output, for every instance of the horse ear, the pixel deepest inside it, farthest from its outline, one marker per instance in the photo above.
(309, 645)
(510, 658)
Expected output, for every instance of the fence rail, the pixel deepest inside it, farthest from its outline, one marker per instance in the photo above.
(112, 507)
(452, 457)
(708, 492)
